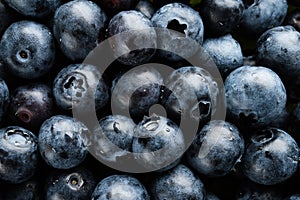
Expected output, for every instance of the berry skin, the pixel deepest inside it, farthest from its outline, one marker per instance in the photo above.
(271, 157)
(255, 96)
(145, 7)
(62, 142)
(216, 149)
(4, 99)
(121, 187)
(77, 27)
(18, 154)
(31, 105)
(31, 52)
(178, 183)
(131, 45)
(189, 34)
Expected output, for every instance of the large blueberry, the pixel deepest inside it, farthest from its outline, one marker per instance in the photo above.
(255, 95)
(180, 31)
(216, 149)
(30, 53)
(62, 141)
(134, 38)
(178, 183)
(78, 26)
(271, 157)
(121, 187)
(18, 154)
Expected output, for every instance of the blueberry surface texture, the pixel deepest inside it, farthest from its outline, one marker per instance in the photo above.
(145, 7)
(30, 53)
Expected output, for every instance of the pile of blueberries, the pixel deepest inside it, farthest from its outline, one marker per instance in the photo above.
(149, 99)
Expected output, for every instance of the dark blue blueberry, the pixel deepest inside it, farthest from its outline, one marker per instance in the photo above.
(271, 157)
(193, 94)
(78, 26)
(292, 18)
(178, 183)
(157, 143)
(220, 17)
(30, 53)
(79, 85)
(262, 15)
(120, 187)
(225, 51)
(187, 31)
(134, 40)
(31, 105)
(34, 8)
(255, 95)
(77, 183)
(18, 154)
(216, 149)
(136, 91)
(112, 140)
(62, 142)
(145, 7)
(7, 16)
(4, 99)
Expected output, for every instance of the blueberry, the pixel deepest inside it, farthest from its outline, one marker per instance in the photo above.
(77, 27)
(188, 27)
(216, 149)
(78, 85)
(121, 187)
(62, 142)
(292, 18)
(271, 157)
(18, 154)
(145, 7)
(4, 99)
(178, 183)
(255, 95)
(77, 183)
(157, 142)
(193, 94)
(221, 17)
(225, 51)
(7, 16)
(260, 16)
(30, 53)
(130, 39)
(34, 8)
(31, 105)
(112, 140)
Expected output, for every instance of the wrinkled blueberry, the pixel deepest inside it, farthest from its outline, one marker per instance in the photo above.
(132, 43)
(178, 183)
(181, 31)
(145, 7)
(30, 53)
(216, 149)
(255, 95)
(18, 154)
(62, 142)
(271, 157)
(121, 187)
(78, 26)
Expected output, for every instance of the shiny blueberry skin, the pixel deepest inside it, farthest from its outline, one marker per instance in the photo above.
(188, 26)
(77, 27)
(18, 154)
(31, 104)
(260, 16)
(220, 17)
(255, 95)
(112, 140)
(131, 45)
(77, 183)
(62, 142)
(34, 8)
(4, 99)
(216, 149)
(225, 51)
(79, 85)
(121, 187)
(30, 53)
(193, 94)
(145, 7)
(178, 183)
(158, 142)
(271, 157)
